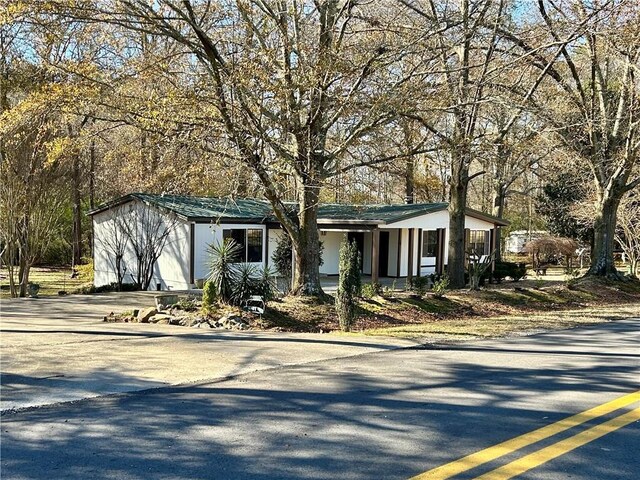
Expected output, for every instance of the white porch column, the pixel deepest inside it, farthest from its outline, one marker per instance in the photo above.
(375, 254)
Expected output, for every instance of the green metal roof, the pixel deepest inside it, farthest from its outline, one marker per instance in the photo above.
(195, 208)
(260, 211)
(375, 213)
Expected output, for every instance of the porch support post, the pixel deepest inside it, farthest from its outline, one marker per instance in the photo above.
(493, 243)
(399, 257)
(375, 254)
(419, 259)
(441, 238)
(192, 249)
(410, 262)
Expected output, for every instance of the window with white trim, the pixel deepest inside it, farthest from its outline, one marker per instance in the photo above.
(250, 241)
(429, 243)
(477, 242)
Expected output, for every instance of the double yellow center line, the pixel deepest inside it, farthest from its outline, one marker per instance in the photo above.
(545, 454)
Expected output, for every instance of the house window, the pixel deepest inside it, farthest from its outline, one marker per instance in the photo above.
(250, 241)
(429, 243)
(254, 245)
(477, 242)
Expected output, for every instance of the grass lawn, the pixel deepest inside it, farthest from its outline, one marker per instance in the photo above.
(518, 324)
(51, 280)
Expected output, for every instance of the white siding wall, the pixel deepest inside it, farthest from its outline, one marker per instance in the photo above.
(404, 252)
(477, 224)
(103, 266)
(211, 233)
(275, 234)
(393, 252)
(330, 255)
(171, 269)
(331, 252)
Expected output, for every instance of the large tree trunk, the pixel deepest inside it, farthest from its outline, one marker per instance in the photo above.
(92, 175)
(306, 244)
(497, 211)
(457, 203)
(77, 213)
(409, 180)
(92, 189)
(604, 227)
(23, 275)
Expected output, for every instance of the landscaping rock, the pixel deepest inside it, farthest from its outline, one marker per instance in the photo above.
(161, 318)
(232, 322)
(183, 321)
(164, 301)
(146, 314)
(198, 322)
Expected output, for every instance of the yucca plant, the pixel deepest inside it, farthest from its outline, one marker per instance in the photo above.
(267, 286)
(223, 267)
(245, 284)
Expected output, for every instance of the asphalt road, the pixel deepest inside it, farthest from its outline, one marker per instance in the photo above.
(58, 349)
(381, 415)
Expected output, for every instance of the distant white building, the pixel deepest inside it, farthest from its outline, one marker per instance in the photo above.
(394, 240)
(514, 243)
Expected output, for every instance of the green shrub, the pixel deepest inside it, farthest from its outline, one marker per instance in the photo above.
(419, 285)
(209, 296)
(509, 269)
(282, 257)
(188, 303)
(440, 286)
(573, 276)
(348, 284)
(519, 272)
(370, 290)
(33, 289)
(111, 287)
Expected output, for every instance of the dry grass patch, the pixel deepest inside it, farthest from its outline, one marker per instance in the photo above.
(481, 327)
(495, 311)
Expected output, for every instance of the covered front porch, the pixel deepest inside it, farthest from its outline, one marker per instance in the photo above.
(386, 252)
(330, 283)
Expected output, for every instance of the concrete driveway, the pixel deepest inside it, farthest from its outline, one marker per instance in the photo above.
(58, 349)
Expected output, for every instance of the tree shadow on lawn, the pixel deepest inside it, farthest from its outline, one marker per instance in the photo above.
(340, 419)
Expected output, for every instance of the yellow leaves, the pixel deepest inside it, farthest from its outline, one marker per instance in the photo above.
(57, 149)
(10, 12)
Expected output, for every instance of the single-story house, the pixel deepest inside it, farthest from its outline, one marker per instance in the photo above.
(394, 240)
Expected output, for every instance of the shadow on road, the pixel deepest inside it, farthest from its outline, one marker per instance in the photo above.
(354, 418)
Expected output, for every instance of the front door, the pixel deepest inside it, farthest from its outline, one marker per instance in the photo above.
(383, 255)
